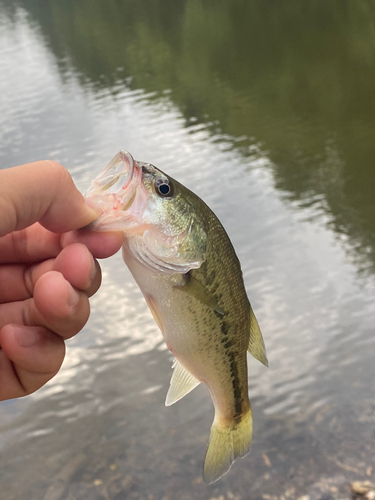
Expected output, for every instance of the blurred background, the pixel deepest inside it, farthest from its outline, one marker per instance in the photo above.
(267, 111)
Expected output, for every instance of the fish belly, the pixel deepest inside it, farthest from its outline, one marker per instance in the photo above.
(193, 333)
(173, 313)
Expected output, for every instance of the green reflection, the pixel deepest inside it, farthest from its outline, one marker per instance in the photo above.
(295, 78)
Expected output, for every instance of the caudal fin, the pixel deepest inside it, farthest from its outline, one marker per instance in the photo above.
(228, 441)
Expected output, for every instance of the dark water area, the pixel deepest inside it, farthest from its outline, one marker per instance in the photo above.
(267, 111)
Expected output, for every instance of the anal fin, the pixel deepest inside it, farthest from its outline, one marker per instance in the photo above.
(182, 382)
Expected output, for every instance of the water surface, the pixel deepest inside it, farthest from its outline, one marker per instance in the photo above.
(266, 110)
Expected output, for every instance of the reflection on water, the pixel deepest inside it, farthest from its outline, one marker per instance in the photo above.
(267, 114)
(294, 82)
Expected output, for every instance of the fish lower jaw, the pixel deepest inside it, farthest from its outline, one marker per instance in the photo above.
(114, 219)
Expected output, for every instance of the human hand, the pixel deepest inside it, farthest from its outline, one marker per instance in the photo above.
(47, 272)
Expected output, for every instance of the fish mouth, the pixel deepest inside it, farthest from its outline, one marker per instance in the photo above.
(112, 192)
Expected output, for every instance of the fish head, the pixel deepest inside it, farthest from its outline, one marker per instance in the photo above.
(157, 214)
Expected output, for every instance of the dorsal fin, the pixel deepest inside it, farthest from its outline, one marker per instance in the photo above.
(256, 344)
(182, 382)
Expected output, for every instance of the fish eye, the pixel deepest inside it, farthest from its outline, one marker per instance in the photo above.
(163, 188)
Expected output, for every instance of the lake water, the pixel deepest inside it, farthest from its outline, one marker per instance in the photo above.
(267, 111)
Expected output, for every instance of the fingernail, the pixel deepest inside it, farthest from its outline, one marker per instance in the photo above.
(93, 211)
(26, 337)
(73, 297)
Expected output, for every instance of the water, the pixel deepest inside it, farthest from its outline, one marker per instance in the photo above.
(267, 112)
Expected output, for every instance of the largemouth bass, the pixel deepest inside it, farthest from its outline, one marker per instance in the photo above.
(185, 265)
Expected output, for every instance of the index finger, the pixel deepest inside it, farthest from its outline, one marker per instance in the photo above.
(42, 191)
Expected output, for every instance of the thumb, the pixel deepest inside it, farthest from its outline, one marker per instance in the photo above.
(42, 191)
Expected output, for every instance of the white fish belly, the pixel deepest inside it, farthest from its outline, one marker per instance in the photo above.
(178, 315)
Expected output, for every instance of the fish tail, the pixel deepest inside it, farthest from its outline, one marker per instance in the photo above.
(228, 441)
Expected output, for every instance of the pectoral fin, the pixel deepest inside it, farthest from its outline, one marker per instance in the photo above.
(256, 344)
(182, 382)
(195, 288)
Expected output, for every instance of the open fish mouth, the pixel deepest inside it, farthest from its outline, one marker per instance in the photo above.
(116, 176)
(112, 192)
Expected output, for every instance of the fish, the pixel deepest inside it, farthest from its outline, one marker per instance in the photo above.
(186, 267)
